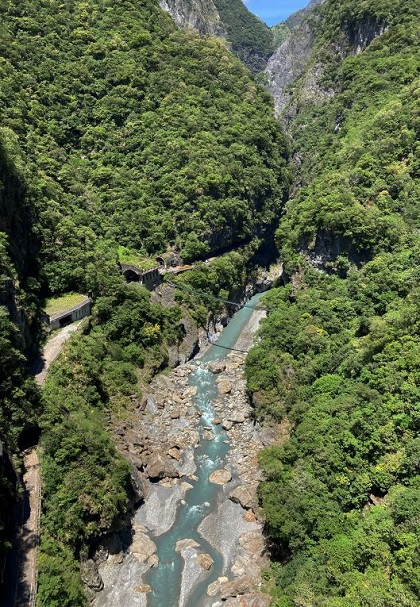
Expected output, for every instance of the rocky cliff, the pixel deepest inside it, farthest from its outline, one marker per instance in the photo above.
(296, 70)
(19, 244)
(249, 38)
(201, 15)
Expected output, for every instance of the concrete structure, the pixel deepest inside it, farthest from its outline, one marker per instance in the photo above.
(66, 317)
(148, 278)
(169, 260)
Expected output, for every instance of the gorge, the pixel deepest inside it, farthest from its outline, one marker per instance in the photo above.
(126, 138)
(193, 413)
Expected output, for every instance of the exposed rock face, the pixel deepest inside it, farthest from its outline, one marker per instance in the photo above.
(329, 246)
(294, 59)
(142, 546)
(296, 18)
(205, 561)
(250, 39)
(360, 35)
(220, 477)
(289, 61)
(167, 428)
(253, 542)
(243, 496)
(160, 466)
(235, 587)
(216, 586)
(90, 575)
(178, 354)
(200, 15)
(248, 600)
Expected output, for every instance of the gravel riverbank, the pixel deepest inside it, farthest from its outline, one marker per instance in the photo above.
(162, 451)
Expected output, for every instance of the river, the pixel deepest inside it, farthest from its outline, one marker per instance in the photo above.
(209, 523)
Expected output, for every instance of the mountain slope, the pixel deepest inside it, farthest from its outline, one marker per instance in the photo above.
(117, 132)
(200, 15)
(125, 124)
(249, 38)
(337, 365)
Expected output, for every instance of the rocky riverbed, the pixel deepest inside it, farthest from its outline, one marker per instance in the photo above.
(162, 452)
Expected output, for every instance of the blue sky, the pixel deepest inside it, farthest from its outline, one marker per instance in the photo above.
(273, 11)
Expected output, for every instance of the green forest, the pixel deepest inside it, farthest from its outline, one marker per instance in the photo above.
(250, 38)
(121, 138)
(338, 363)
(118, 133)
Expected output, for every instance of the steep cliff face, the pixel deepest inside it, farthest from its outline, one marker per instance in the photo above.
(341, 340)
(288, 63)
(19, 245)
(201, 15)
(17, 215)
(249, 38)
(296, 72)
(348, 112)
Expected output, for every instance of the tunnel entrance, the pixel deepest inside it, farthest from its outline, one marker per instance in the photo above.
(29, 437)
(131, 276)
(66, 320)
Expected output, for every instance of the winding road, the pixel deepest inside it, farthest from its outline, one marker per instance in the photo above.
(21, 567)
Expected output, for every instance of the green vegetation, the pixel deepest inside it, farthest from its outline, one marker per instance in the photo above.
(340, 360)
(19, 406)
(339, 353)
(130, 257)
(360, 175)
(120, 136)
(281, 33)
(86, 482)
(251, 39)
(222, 278)
(55, 305)
(140, 134)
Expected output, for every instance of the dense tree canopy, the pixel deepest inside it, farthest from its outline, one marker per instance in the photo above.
(339, 353)
(251, 39)
(135, 131)
(117, 133)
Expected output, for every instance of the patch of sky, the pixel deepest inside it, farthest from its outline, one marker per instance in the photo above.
(274, 11)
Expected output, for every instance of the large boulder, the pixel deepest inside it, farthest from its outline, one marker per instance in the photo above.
(205, 561)
(160, 466)
(216, 586)
(244, 496)
(175, 453)
(220, 477)
(224, 386)
(238, 586)
(208, 435)
(237, 417)
(216, 366)
(227, 424)
(142, 547)
(143, 588)
(184, 544)
(253, 542)
(139, 482)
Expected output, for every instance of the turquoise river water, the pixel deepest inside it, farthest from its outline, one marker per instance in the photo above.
(165, 580)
